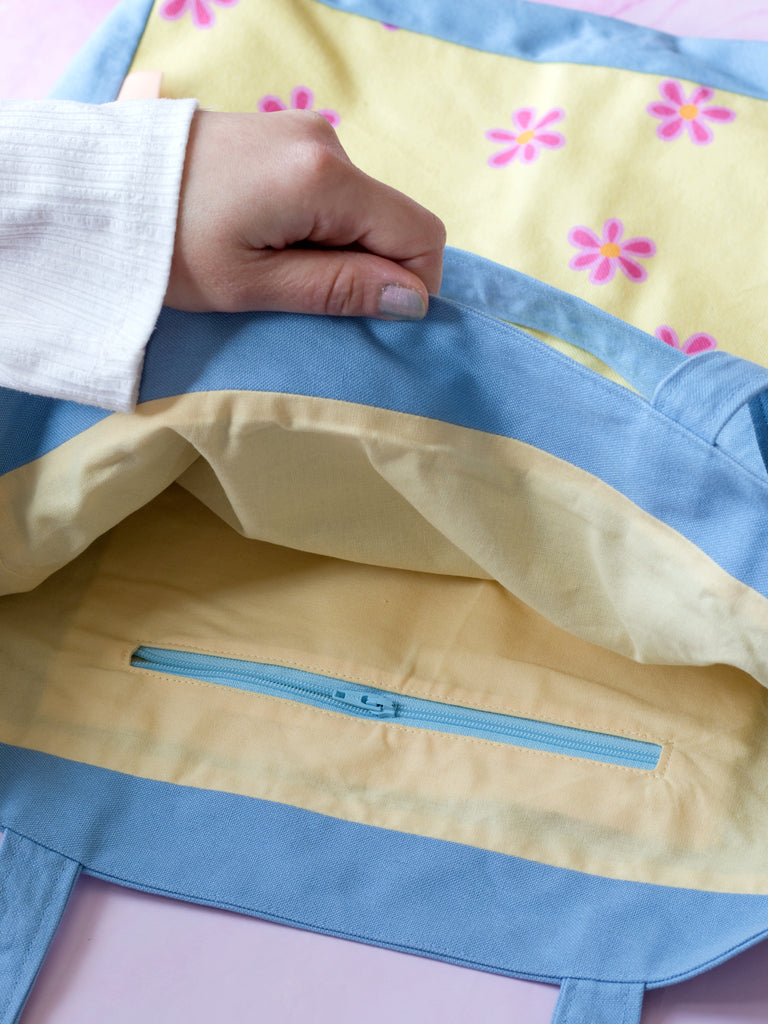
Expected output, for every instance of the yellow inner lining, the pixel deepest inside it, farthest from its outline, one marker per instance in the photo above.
(174, 575)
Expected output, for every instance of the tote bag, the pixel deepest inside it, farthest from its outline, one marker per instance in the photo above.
(428, 635)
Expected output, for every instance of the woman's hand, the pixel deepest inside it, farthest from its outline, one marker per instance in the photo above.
(274, 216)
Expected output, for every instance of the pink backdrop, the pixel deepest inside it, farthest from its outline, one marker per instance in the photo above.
(122, 957)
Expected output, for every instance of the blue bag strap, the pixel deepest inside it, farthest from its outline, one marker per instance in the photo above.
(701, 392)
(706, 391)
(643, 360)
(598, 1002)
(35, 885)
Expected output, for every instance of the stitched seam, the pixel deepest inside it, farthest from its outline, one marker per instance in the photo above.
(658, 772)
(379, 683)
(598, 382)
(656, 982)
(29, 961)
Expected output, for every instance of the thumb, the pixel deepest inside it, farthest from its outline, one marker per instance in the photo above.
(330, 282)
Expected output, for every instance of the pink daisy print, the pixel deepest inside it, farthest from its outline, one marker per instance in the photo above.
(680, 113)
(691, 346)
(528, 138)
(604, 255)
(302, 98)
(202, 15)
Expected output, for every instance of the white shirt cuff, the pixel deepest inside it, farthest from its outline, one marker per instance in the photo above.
(87, 222)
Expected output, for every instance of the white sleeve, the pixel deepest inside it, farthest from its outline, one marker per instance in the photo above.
(88, 204)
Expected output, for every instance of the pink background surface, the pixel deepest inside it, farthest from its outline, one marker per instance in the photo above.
(121, 956)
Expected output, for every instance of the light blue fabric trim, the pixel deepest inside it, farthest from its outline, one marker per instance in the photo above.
(705, 392)
(514, 28)
(463, 367)
(97, 72)
(35, 884)
(698, 392)
(31, 426)
(595, 1002)
(541, 33)
(439, 899)
(643, 360)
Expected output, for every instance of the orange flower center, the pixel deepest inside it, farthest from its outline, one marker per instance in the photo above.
(524, 137)
(610, 249)
(689, 111)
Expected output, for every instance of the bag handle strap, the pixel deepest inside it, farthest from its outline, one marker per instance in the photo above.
(701, 392)
(641, 359)
(707, 391)
(35, 885)
(598, 1002)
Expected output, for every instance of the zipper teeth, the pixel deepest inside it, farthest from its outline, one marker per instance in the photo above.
(247, 678)
(531, 732)
(480, 723)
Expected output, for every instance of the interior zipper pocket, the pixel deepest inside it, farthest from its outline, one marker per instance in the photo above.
(381, 705)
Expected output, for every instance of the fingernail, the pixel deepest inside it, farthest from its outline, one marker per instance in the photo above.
(400, 303)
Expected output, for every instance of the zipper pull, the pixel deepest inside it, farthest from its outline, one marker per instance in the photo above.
(373, 703)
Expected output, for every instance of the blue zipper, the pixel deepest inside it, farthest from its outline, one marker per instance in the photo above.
(380, 705)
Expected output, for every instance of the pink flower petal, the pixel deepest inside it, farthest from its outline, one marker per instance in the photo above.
(582, 260)
(722, 114)
(522, 118)
(613, 229)
(503, 157)
(672, 91)
(331, 117)
(302, 98)
(702, 94)
(632, 269)
(699, 343)
(701, 134)
(604, 271)
(173, 9)
(639, 247)
(661, 110)
(225, 3)
(671, 129)
(500, 135)
(552, 140)
(269, 104)
(201, 14)
(555, 114)
(583, 238)
(668, 335)
(530, 152)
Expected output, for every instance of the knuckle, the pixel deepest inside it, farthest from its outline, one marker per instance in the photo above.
(343, 294)
(318, 153)
(433, 229)
(319, 161)
(319, 125)
(440, 232)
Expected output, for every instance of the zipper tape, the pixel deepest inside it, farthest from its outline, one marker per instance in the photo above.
(373, 703)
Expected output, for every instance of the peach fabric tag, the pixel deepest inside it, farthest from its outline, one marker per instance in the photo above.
(141, 85)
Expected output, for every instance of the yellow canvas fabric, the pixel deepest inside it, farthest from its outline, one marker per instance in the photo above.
(174, 575)
(415, 111)
(390, 489)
